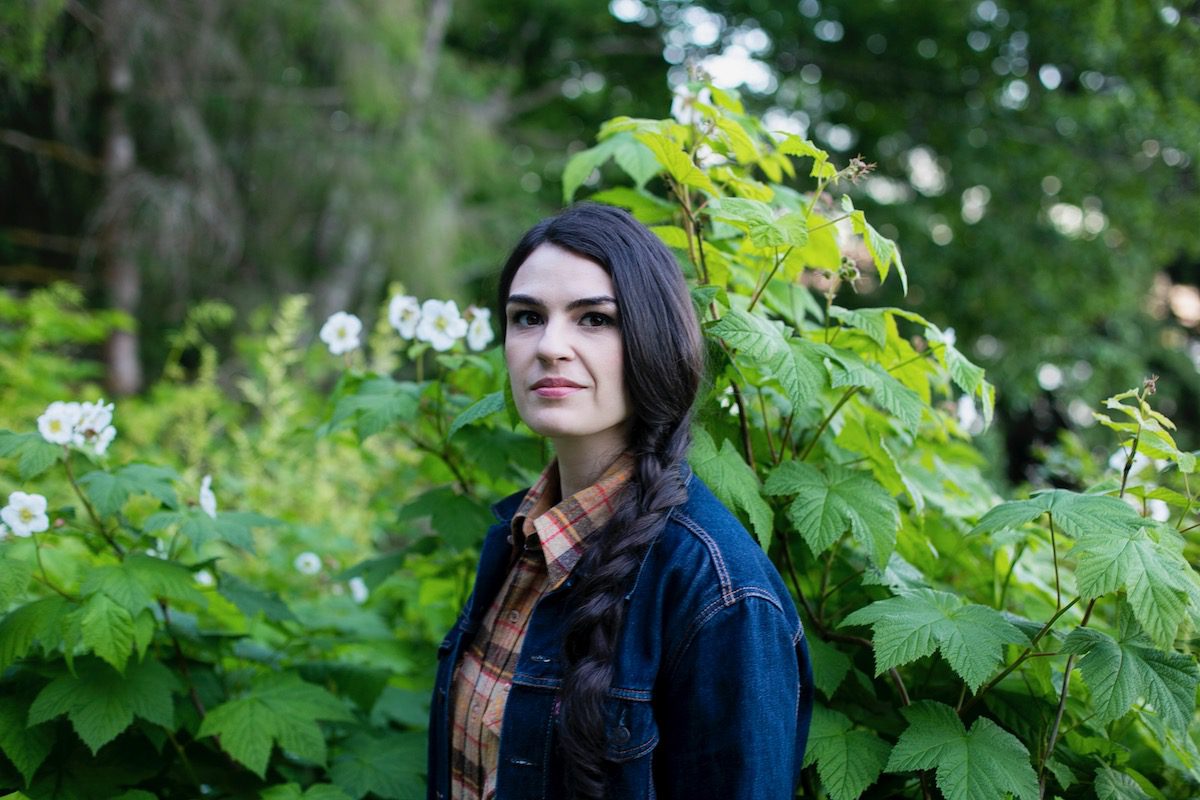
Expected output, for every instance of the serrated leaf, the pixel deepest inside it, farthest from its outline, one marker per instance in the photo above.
(252, 601)
(766, 344)
(847, 369)
(1152, 571)
(829, 503)
(39, 621)
(583, 164)
(1118, 673)
(100, 703)
(645, 207)
(675, 161)
(848, 760)
(1113, 785)
(292, 791)
(482, 408)
(795, 146)
(916, 623)
(14, 578)
(733, 481)
(25, 747)
(458, 518)
(829, 665)
(233, 527)
(388, 766)
(108, 491)
(743, 147)
(983, 764)
(107, 630)
(759, 220)
(882, 249)
(1075, 514)
(36, 458)
(376, 404)
(280, 708)
(635, 159)
(871, 321)
(821, 251)
(963, 372)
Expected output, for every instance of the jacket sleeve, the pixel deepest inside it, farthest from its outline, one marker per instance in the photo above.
(734, 710)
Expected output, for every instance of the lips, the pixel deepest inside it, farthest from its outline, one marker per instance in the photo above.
(555, 387)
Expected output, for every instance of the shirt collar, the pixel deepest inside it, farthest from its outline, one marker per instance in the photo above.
(562, 530)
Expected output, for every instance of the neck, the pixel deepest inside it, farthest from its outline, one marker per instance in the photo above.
(581, 463)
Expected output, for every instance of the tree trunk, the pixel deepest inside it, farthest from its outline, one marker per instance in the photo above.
(121, 276)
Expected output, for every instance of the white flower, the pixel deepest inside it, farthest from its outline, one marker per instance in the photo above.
(57, 423)
(683, 104)
(404, 312)
(479, 332)
(158, 551)
(103, 440)
(308, 563)
(25, 514)
(205, 578)
(359, 590)
(341, 332)
(441, 324)
(94, 421)
(208, 500)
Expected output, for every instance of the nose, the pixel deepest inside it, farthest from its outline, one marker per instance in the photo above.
(554, 344)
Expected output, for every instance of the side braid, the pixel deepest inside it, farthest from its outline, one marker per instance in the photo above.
(594, 628)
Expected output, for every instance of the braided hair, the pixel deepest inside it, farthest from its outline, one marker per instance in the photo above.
(663, 367)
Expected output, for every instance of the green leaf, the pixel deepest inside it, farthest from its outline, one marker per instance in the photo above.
(847, 369)
(882, 249)
(648, 209)
(759, 221)
(1119, 673)
(252, 601)
(829, 664)
(675, 161)
(389, 766)
(848, 760)
(635, 159)
(733, 481)
(584, 163)
(829, 503)
(458, 518)
(765, 343)
(918, 622)
(14, 578)
(1113, 785)
(292, 791)
(33, 453)
(983, 764)
(1075, 514)
(107, 630)
(39, 621)
(963, 372)
(375, 405)
(362, 684)
(871, 321)
(480, 409)
(108, 491)
(280, 708)
(100, 703)
(793, 145)
(25, 747)
(1147, 564)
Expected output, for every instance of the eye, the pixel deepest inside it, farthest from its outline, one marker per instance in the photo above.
(524, 318)
(594, 319)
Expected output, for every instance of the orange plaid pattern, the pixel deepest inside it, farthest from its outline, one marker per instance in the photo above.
(547, 543)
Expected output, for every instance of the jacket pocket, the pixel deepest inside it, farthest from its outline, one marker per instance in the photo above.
(632, 729)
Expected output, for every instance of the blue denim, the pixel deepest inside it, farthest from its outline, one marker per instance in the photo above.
(712, 690)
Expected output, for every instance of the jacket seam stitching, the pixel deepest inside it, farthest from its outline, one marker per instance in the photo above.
(713, 552)
(711, 610)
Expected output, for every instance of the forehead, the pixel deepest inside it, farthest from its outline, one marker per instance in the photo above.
(551, 273)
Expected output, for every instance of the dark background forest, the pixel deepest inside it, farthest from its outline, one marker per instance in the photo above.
(1037, 162)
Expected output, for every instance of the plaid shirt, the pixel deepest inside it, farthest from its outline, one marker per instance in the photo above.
(547, 543)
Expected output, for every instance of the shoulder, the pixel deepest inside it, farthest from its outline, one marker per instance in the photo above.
(704, 541)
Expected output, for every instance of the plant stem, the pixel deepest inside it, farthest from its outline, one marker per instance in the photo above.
(785, 438)
(1054, 550)
(747, 445)
(1026, 654)
(1062, 703)
(829, 418)
(87, 505)
(37, 550)
(758, 290)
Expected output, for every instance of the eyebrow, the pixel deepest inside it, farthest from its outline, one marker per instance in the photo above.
(528, 300)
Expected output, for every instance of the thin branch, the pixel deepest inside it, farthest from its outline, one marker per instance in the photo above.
(48, 148)
(1062, 705)
(828, 419)
(87, 505)
(1054, 549)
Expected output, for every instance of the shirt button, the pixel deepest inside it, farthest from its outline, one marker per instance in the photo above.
(513, 616)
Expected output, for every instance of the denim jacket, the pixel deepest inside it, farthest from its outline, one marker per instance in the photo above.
(712, 689)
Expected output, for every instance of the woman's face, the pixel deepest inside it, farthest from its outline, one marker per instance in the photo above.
(563, 350)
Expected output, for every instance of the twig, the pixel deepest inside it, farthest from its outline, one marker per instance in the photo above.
(87, 505)
(829, 418)
(1062, 705)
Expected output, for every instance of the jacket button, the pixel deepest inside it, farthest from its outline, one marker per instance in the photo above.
(622, 735)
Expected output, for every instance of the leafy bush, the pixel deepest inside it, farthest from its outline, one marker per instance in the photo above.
(962, 645)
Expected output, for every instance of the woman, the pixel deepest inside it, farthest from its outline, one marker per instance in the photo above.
(626, 638)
